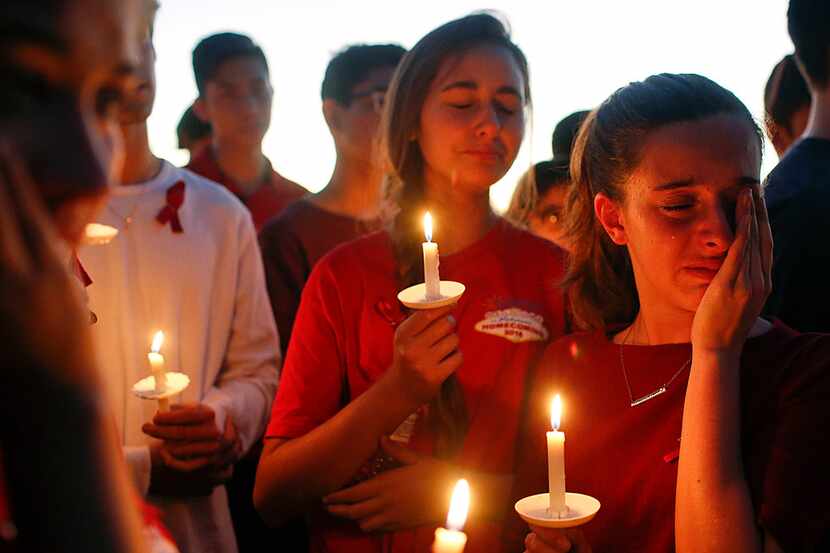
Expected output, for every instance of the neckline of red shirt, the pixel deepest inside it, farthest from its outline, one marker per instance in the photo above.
(604, 337)
(207, 164)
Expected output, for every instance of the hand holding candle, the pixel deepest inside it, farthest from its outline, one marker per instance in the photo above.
(556, 461)
(451, 539)
(158, 369)
(432, 280)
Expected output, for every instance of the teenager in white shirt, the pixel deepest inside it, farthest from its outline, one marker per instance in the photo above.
(186, 262)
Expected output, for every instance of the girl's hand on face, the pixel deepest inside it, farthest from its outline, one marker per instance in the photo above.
(399, 498)
(735, 297)
(554, 540)
(42, 319)
(426, 352)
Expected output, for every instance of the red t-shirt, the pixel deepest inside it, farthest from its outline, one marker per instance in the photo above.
(626, 457)
(266, 202)
(343, 338)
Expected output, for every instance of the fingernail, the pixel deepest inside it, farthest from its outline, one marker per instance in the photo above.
(451, 319)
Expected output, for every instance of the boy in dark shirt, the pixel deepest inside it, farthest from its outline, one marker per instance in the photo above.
(353, 90)
(235, 96)
(798, 189)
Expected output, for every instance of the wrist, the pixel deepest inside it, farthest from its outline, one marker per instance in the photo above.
(409, 392)
(719, 356)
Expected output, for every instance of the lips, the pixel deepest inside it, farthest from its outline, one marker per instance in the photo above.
(484, 154)
(705, 269)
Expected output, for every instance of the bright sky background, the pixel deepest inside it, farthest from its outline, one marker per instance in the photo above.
(579, 52)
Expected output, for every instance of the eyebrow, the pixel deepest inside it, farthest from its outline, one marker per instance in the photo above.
(686, 183)
(472, 85)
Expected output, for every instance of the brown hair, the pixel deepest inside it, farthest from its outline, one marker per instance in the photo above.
(600, 281)
(404, 181)
(531, 188)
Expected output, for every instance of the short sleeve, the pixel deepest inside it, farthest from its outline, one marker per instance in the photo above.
(796, 481)
(311, 387)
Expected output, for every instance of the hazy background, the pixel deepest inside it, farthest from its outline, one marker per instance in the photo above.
(579, 52)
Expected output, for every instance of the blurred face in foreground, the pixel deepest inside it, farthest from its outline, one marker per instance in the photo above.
(62, 80)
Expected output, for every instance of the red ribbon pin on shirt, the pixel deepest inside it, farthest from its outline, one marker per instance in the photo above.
(170, 212)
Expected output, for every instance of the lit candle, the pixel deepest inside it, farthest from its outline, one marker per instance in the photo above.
(451, 539)
(158, 370)
(431, 279)
(96, 233)
(556, 461)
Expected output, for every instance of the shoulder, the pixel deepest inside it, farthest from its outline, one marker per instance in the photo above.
(289, 222)
(208, 191)
(793, 362)
(368, 253)
(289, 187)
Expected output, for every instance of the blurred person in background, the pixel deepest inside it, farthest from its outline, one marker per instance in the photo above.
(786, 105)
(192, 133)
(185, 261)
(235, 96)
(539, 198)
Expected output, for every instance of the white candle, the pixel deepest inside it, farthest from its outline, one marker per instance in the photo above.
(556, 461)
(158, 369)
(431, 279)
(451, 539)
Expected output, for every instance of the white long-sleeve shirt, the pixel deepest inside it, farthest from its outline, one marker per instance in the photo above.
(205, 289)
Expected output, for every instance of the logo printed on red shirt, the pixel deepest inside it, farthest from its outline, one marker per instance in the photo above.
(514, 324)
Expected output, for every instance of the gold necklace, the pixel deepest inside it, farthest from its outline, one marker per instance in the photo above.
(660, 389)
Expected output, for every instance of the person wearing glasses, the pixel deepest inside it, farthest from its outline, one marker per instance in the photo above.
(235, 95)
(352, 92)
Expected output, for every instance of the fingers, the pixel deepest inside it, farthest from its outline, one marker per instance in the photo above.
(735, 257)
(418, 321)
(182, 432)
(765, 236)
(189, 450)
(185, 415)
(354, 494)
(444, 347)
(398, 451)
(184, 465)
(549, 542)
(357, 511)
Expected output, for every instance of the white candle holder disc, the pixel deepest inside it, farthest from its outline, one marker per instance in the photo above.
(535, 510)
(415, 297)
(175, 384)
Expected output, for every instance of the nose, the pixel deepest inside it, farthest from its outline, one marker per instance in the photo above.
(718, 229)
(489, 123)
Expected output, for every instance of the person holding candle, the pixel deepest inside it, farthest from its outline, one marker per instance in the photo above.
(698, 425)
(63, 66)
(185, 262)
(358, 366)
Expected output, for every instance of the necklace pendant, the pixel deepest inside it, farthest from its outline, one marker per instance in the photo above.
(652, 395)
(127, 222)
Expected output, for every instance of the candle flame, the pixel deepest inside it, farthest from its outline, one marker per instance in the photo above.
(428, 226)
(556, 412)
(459, 505)
(158, 340)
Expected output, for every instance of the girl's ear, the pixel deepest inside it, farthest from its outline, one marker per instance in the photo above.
(609, 214)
